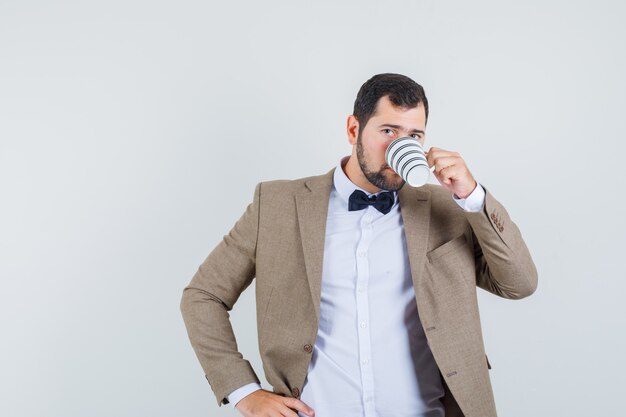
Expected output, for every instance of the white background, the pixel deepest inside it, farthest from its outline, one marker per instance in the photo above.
(132, 134)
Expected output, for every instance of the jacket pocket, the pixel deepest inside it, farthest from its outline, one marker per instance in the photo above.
(448, 246)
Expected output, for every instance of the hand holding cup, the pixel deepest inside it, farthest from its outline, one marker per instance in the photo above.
(408, 159)
(451, 171)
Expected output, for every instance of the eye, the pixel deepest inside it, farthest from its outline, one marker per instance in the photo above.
(416, 135)
(387, 130)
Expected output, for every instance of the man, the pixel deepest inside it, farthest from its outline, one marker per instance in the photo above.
(366, 306)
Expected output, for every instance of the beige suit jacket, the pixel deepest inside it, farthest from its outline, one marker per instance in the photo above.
(279, 239)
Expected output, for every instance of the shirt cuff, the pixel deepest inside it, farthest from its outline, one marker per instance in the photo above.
(241, 392)
(473, 202)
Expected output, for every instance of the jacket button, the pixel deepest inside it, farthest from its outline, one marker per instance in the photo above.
(493, 216)
(308, 348)
(295, 392)
(501, 228)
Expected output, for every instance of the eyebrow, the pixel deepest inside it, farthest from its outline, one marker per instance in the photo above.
(400, 127)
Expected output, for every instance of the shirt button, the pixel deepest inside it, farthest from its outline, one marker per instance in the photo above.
(361, 289)
(363, 324)
(365, 361)
(361, 254)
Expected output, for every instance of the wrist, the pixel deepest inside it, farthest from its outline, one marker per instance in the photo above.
(467, 194)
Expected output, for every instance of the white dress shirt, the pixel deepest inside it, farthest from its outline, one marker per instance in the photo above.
(370, 357)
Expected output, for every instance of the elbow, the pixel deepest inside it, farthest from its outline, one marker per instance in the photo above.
(184, 304)
(516, 284)
(187, 303)
(194, 299)
(533, 278)
(528, 284)
(525, 292)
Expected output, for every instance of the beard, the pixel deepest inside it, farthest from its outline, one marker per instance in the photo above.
(376, 177)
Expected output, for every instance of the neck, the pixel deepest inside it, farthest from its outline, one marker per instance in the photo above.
(355, 174)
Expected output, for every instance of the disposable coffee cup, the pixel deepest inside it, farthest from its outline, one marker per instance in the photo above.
(407, 158)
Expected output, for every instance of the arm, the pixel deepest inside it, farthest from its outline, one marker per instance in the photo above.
(503, 263)
(473, 202)
(215, 287)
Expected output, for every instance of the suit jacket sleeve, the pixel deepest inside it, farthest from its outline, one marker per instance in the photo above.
(503, 263)
(215, 287)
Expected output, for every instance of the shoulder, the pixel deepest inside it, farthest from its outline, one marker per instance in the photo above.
(282, 186)
(289, 187)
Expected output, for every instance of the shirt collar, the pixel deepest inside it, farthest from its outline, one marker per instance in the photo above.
(345, 187)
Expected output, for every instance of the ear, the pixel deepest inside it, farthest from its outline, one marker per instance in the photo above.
(352, 128)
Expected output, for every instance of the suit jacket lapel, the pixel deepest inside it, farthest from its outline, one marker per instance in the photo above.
(312, 210)
(312, 207)
(415, 208)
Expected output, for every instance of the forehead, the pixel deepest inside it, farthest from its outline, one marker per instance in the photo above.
(386, 111)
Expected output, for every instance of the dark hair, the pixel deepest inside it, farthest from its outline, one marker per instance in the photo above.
(402, 91)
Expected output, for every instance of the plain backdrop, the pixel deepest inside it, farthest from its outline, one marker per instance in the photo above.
(132, 134)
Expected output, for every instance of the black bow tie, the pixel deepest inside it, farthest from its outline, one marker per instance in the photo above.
(382, 202)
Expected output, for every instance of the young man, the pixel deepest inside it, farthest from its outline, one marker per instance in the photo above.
(366, 306)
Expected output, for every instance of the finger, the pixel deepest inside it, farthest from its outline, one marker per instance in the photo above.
(433, 154)
(440, 152)
(450, 173)
(430, 157)
(289, 411)
(444, 162)
(298, 405)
